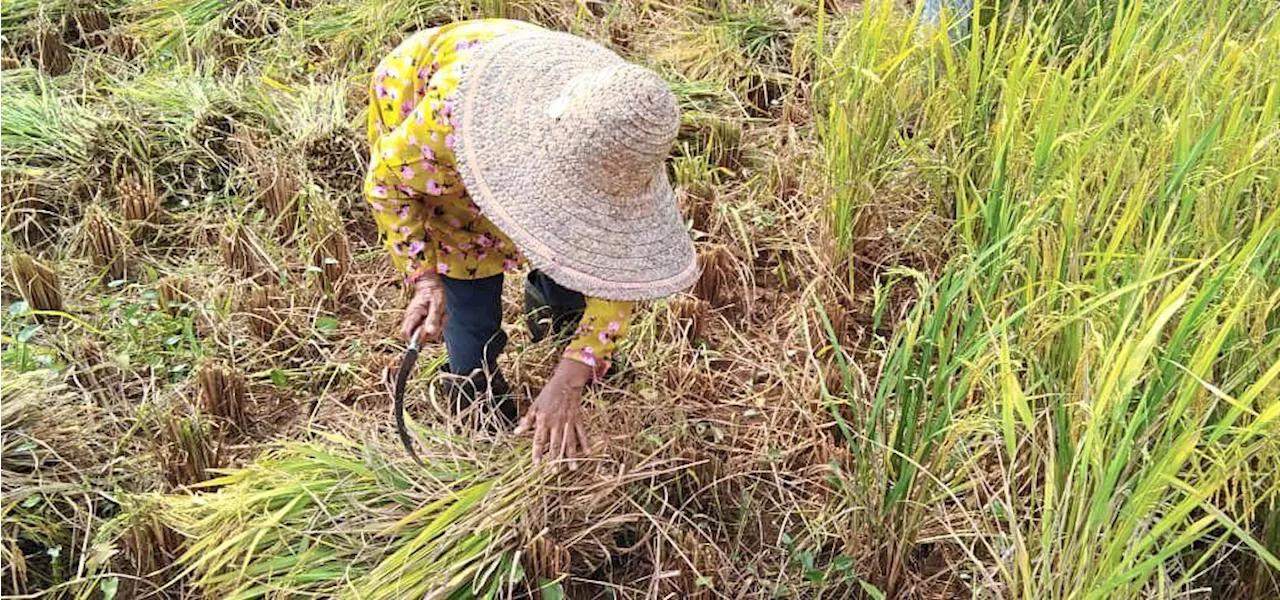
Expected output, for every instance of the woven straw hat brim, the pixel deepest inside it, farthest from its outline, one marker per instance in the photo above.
(629, 248)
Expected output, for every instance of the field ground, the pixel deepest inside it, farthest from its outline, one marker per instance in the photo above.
(986, 318)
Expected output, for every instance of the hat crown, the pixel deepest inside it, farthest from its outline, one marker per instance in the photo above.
(615, 126)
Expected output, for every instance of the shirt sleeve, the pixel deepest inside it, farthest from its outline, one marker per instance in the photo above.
(604, 323)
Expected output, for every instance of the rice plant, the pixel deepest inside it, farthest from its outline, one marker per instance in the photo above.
(1096, 349)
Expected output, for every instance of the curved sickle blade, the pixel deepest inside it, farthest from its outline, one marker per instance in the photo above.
(402, 378)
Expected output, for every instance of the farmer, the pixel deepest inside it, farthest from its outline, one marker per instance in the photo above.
(496, 142)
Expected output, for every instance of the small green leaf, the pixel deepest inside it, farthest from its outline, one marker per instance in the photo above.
(28, 332)
(871, 590)
(815, 576)
(842, 562)
(109, 586)
(31, 500)
(18, 308)
(551, 590)
(327, 324)
(279, 378)
(54, 552)
(786, 540)
(703, 581)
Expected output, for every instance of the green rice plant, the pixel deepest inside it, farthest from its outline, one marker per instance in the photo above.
(41, 128)
(1099, 361)
(339, 519)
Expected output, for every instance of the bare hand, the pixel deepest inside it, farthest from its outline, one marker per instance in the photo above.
(425, 312)
(556, 416)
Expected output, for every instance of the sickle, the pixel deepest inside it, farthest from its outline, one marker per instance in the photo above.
(402, 378)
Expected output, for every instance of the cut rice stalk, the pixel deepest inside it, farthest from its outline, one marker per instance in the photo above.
(224, 393)
(53, 57)
(242, 251)
(139, 203)
(173, 294)
(36, 282)
(330, 261)
(719, 275)
(107, 246)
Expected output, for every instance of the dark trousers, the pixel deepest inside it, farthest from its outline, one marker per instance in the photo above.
(473, 334)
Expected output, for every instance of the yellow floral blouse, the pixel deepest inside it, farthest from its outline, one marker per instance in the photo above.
(429, 223)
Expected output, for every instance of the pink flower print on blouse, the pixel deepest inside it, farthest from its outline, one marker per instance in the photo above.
(509, 264)
(449, 141)
(442, 268)
(485, 240)
(406, 107)
(434, 188)
(428, 153)
(403, 212)
(378, 191)
(419, 117)
(481, 255)
(604, 337)
(588, 356)
(406, 172)
(405, 231)
(413, 139)
(426, 167)
(456, 224)
(404, 189)
(380, 89)
(615, 326)
(474, 209)
(378, 207)
(416, 247)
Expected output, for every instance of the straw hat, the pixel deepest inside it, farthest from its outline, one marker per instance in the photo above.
(562, 144)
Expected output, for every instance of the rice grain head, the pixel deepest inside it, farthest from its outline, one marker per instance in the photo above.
(37, 282)
(224, 393)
